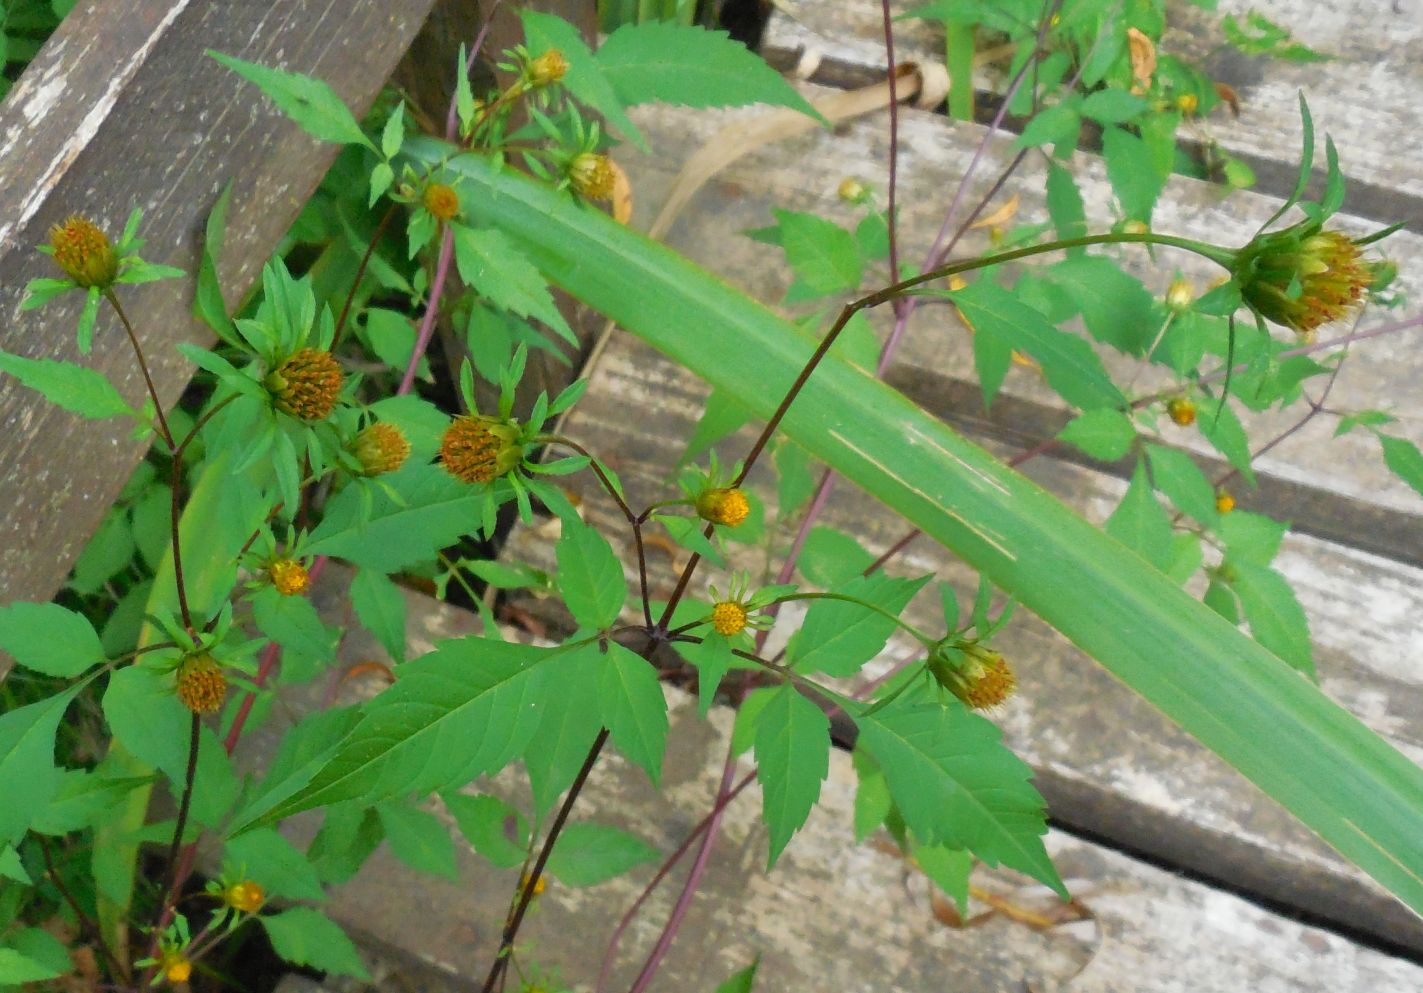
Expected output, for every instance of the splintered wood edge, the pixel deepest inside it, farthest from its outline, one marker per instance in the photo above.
(832, 914)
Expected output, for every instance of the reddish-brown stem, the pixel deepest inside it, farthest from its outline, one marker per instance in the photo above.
(511, 927)
(163, 430)
(361, 273)
(86, 922)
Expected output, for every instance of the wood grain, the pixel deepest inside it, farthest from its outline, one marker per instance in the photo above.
(122, 108)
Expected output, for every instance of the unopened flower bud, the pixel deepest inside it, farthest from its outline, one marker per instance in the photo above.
(1187, 103)
(380, 448)
(592, 176)
(547, 69)
(1179, 295)
(1182, 410)
(176, 967)
(1224, 502)
(851, 190)
(245, 896)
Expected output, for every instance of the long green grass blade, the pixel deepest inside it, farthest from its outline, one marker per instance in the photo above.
(1337, 776)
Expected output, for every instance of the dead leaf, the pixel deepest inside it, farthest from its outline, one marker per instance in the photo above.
(1002, 215)
(1232, 99)
(622, 194)
(1143, 59)
(368, 668)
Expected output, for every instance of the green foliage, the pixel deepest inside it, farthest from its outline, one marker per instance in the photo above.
(49, 639)
(792, 759)
(309, 102)
(308, 937)
(591, 578)
(1258, 35)
(588, 854)
(77, 389)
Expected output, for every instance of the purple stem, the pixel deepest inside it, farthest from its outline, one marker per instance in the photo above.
(432, 309)
(684, 899)
(892, 223)
(452, 116)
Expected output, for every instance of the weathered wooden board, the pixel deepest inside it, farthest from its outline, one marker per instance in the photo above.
(1364, 94)
(122, 108)
(831, 915)
(1337, 488)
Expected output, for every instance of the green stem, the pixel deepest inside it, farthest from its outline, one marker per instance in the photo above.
(918, 635)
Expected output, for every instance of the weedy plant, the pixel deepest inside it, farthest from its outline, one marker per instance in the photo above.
(295, 457)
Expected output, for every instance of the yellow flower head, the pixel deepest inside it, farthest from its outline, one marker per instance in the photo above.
(547, 69)
(289, 577)
(201, 685)
(592, 176)
(307, 385)
(1187, 103)
(246, 896)
(725, 505)
(84, 253)
(1224, 502)
(540, 884)
(479, 449)
(728, 618)
(982, 680)
(176, 967)
(380, 448)
(1182, 411)
(442, 201)
(1302, 277)
(1179, 295)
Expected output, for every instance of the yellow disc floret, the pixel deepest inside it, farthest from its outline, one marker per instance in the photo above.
(980, 677)
(289, 577)
(176, 967)
(728, 618)
(201, 685)
(245, 896)
(1224, 502)
(724, 505)
(1302, 277)
(84, 253)
(1182, 411)
(442, 201)
(306, 385)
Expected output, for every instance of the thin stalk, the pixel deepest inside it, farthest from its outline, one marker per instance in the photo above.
(432, 309)
(891, 222)
(85, 921)
(511, 927)
(163, 428)
(361, 273)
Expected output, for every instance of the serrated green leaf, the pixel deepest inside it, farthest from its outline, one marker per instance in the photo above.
(49, 639)
(569, 726)
(1113, 106)
(12, 868)
(837, 637)
(75, 388)
(311, 103)
(588, 854)
(265, 857)
(792, 760)
(742, 981)
(419, 839)
(17, 968)
(590, 577)
(424, 510)
(27, 761)
(1072, 368)
(949, 868)
(380, 607)
(659, 62)
(1134, 175)
(304, 750)
(584, 78)
(1275, 616)
(304, 936)
(349, 835)
(957, 785)
(483, 694)
(1340, 778)
(1223, 430)
(1103, 433)
(485, 822)
(1056, 125)
(494, 266)
(1117, 309)
(1176, 474)
(81, 797)
(832, 557)
(633, 708)
(823, 255)
(1403, 460)
(872, 800)
(1251, 538)
(1140, 523)
(293, 623)
(1064, 205)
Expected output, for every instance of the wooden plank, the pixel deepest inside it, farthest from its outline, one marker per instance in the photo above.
(122, 108)
(831, 915)
(1363, 94)
(1337, 488)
